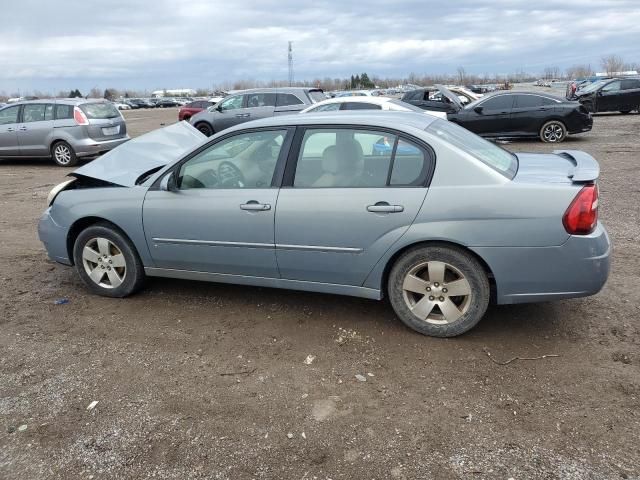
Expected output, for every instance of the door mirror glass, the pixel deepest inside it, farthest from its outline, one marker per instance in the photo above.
(168, 183)
(478, 109)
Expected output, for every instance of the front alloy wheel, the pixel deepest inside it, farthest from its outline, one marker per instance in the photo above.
(104, 263)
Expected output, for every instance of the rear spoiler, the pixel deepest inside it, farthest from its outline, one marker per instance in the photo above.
(586, 167)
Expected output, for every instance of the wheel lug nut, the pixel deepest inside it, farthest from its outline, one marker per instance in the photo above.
(432, 298)
(428, 289)
(436, 284)
(441, 298)
(444, 290)
(108, 268)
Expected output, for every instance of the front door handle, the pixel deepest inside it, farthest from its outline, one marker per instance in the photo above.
(243, 115)
(22, 129)
(10, 129)
(384, 207)
(255, 206)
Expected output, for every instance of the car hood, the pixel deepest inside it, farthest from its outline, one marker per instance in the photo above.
(126, 163)
(450, 95)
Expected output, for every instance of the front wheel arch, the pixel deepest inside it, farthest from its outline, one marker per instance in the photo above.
(384, 284)
(83, 223)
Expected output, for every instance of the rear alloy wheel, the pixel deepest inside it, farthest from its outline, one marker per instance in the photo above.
(439, 291)
(107, 261)
(553, 132)
(63, 154)
(205, 129)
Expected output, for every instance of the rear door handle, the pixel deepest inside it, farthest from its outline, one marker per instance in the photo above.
(255, 206)
(10, 129)
(22, 129)
(384, 207)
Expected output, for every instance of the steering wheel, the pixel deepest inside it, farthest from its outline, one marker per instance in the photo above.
(230, 176)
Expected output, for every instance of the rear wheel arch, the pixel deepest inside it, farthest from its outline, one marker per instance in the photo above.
(206, 123)
(437, 243)
(83, 223)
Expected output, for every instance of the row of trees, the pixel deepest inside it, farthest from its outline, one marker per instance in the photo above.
(610, 64)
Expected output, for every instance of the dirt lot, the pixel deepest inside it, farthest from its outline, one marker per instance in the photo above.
(206, 381)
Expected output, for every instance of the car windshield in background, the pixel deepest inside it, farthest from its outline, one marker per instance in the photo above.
(99, 110)
(594, 86)
(488, 153)
(317, 95)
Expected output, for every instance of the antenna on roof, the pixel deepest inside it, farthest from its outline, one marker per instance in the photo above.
(290, 64)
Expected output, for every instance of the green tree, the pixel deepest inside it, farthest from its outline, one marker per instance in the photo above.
(357, 81)
(365, 82)
(353, 82)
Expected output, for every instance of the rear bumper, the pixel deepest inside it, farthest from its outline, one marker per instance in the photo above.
(54, 238)
(90, 147)
(577, 268)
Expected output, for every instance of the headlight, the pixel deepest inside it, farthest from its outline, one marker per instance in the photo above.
(57, 189)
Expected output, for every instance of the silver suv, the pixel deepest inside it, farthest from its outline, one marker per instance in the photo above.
(254, 104)
(62, 129)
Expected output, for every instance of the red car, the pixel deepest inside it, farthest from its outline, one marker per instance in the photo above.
(192, 108)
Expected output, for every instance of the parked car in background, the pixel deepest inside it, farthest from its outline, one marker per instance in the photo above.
(266, 204)
(521, 114)
(62, 129)
(613, 95)
(137, 103)
(190, 109)
(167, 102)
(430, 98)
(353, 93)
(254, 104)
(122, 105)
(367, 103)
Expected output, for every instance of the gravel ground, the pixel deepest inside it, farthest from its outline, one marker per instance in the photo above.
(206, 381)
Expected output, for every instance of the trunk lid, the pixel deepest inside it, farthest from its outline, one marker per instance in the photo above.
(561, 166)
(126, 163)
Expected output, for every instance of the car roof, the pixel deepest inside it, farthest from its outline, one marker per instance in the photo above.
(516, 92)
(360, 99)
(275, 90)
(64, 101)
(374, 118)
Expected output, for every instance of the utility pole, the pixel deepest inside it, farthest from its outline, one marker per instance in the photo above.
(291, 64)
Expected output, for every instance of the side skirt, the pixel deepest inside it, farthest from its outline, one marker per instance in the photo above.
(319, 287)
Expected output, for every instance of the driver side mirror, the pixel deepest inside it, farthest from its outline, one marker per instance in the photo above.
(478, 109)
(168, 183)
(218, 107)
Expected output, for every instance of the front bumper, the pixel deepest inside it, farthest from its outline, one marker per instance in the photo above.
(577, 268)
(54, 238)
(90, 147)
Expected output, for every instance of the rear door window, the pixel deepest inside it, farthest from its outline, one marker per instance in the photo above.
(33, 113)
(99, 111)
(360, 106)
(612, 87)
(261, 100)
(630, 84)
(286, 99)
(528, 101)
(48, 111)
(9, 115)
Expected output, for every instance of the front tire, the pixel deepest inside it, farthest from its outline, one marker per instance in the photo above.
(107, 261)
(205, 128)
(63, 154)
(625, 112)
(553, 131)
(438, 291)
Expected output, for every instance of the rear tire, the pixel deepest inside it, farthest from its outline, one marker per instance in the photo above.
(107, 261)
(553, 131)
(204, 128)
(439, 291)
(186, 118)
(63, 154)
(625, 112)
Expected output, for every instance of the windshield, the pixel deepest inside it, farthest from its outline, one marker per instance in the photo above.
(594, 86)
(488, 153)
(100, 110)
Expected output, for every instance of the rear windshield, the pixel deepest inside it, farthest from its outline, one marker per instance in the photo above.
(488, 153)
(99, 110)
(317, 95)
(406, 105)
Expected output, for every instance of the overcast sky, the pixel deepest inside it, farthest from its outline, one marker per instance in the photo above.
(152, 44)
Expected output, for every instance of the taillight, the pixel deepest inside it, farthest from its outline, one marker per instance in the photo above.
(80, 117)
(582, 215)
